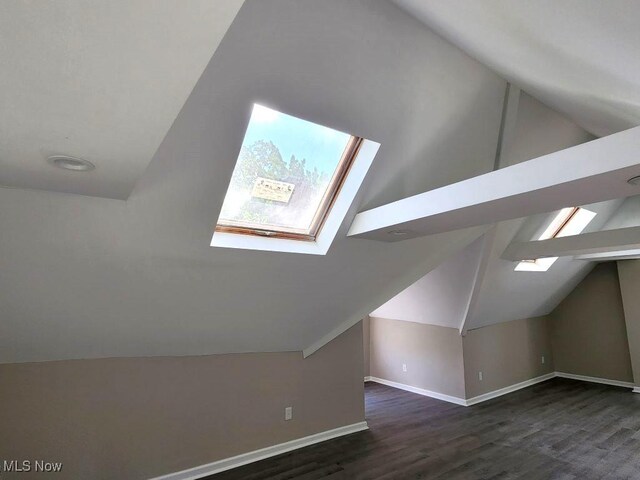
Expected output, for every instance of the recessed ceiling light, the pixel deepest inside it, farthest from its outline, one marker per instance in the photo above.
(71, 163)
(398, 233)
(634, 180)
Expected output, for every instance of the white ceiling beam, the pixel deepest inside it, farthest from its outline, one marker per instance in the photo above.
(594, 243)
(632, 254)
(591, 172)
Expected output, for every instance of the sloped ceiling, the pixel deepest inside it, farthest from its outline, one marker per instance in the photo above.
(84, 277)
(98, 80)
(441, 296)
(628, 215)
(509, 295)
(577, 56)
(502, 293)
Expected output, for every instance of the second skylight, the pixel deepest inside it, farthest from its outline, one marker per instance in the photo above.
(569, 221)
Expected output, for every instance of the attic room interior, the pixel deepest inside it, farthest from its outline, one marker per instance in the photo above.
(293, 239)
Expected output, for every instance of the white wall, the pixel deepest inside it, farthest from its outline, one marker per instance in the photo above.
(440, 297)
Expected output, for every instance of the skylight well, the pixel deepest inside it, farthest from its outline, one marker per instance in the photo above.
(569, 221)
(287, 177)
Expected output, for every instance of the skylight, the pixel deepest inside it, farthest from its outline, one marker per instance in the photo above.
(569, 221)
(286, 178)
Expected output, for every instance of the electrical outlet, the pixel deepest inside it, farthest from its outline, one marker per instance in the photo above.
(480, 376)
(404, 367)
(542, 359)
(288, 413)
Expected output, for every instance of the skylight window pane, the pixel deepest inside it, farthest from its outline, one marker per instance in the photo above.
(569, 221)
(557, 223)
(578, 222)
(539, 265)
(286, 176)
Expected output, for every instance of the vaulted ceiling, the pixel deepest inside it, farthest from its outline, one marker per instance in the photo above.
(91, 275)
(569, 56)
(98, 80)
(577, 56)
(456, 294)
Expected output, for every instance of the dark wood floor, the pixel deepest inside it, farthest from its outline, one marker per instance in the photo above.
(560, 429)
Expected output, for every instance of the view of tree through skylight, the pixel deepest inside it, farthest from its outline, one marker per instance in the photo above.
(287, 171)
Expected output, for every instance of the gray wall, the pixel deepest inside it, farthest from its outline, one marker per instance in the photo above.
(585, 335)
(629, 273)
(141, 417)
(433, 355)
(440, 360)
(366, 339)
(506, 354)
(588, 330)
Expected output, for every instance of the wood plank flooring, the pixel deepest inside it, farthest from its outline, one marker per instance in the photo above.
(560, 429)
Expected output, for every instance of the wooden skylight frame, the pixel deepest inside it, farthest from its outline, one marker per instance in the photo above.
(324, 207)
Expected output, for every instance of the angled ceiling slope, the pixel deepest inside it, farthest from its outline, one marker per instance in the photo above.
(505, 294)
(440, 297)
(499, 293)
(577, 56)
(84, 277)
(102, 81)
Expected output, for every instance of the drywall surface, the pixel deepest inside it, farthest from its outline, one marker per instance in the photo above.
(588, 331)
(585, 335)
(629, 275)
(548, 47)
(505, 294)
(506, 354)
(95, 278)
(366, 340)
(432, 354)
(440, 297)
(138, 418)
(540, 130)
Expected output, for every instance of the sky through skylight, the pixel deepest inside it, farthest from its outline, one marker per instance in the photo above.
(284, 170)
(569, 221)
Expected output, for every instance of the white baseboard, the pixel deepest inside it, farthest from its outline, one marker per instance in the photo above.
(502, 391)
(461, 401)
(419, 391)
(250, 457)
(605, 381)
(511, 388)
